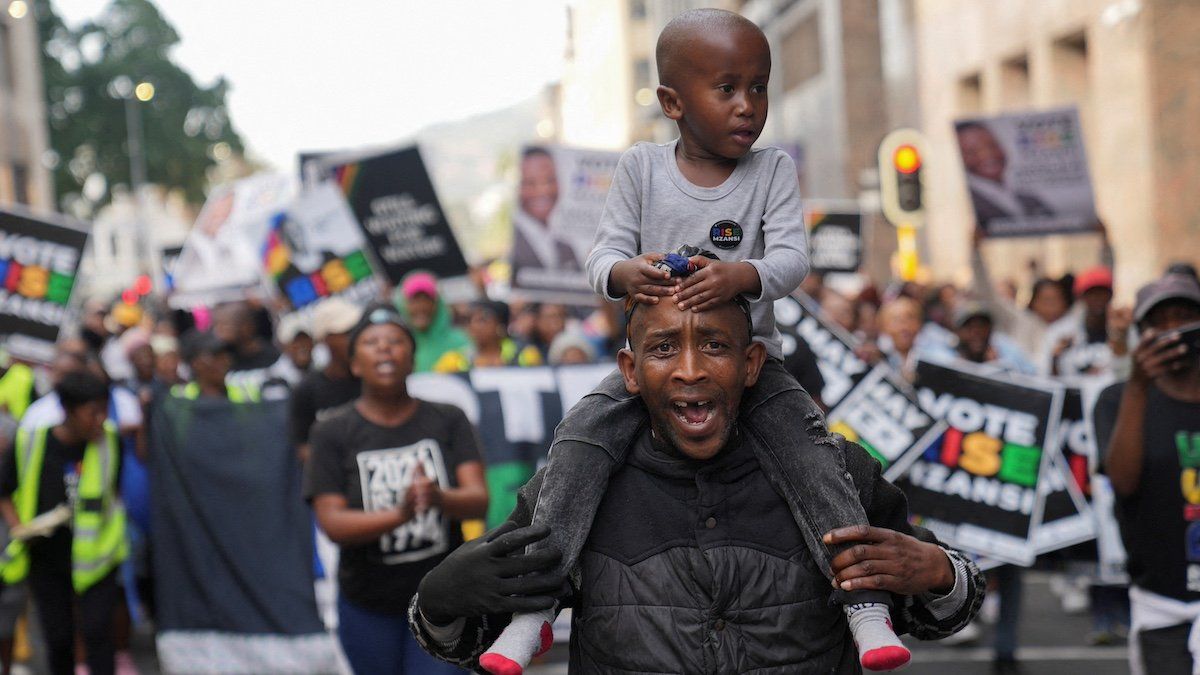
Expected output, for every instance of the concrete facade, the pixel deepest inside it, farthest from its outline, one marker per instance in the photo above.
(24, 136)
(1133, 69)
(841, 79)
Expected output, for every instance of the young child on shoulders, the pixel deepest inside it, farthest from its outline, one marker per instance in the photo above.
(709, 189)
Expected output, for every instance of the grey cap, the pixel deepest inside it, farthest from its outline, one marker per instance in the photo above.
(1169, 287)
(969, 310)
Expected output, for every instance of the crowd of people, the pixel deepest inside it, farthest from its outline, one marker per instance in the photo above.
(695, 494)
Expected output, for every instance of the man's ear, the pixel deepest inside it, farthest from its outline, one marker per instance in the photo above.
(669, 101)
(756, 356)
(626, 363)
(355, 370)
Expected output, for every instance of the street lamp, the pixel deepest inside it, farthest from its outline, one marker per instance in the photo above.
(123, 88)
(17, 9)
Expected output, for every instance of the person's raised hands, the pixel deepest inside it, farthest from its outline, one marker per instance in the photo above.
(639, 278)
(715, 282)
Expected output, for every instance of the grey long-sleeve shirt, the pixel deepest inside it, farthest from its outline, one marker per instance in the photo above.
(755, 216)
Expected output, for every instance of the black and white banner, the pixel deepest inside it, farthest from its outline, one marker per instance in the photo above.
(979, 485)
(799, 316)
(39, 262)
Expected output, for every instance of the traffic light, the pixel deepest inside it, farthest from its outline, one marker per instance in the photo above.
(901, 159)
(907, 161)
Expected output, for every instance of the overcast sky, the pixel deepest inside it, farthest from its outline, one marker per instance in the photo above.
(337, 74)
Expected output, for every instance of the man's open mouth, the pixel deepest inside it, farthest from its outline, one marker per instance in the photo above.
(694, 413)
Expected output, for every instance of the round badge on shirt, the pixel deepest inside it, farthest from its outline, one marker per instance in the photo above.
(725, 234)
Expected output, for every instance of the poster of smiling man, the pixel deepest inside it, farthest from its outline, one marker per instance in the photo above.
(1027, 173)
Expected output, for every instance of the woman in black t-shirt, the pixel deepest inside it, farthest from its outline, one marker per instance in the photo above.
(390, 477)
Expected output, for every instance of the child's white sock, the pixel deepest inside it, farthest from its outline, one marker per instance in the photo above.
(528, 635)
(878, 646)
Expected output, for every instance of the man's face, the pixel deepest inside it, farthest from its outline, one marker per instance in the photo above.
(982, 154)
(901, 321)
(690, 368)
(974, 336)
(299, 350)
(1171, 314)
(1096, 300)
(484, 327)
(142, 359)
(421, 309)
(539, 186)
(210, 369)
(551, 321)
(87, 420)
(723, 91)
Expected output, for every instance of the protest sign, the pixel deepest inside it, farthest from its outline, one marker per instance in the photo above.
(39, 260)
(1068, 518)
(315, 250)
(228, 510)
(882, 415)
(834, 238)
(393, 200)
(515, 411)
(1027, 173)
(977, 486)
(559, 202)
(221, 257)
(799, 316)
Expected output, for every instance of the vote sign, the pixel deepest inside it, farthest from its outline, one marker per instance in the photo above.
(977, 484)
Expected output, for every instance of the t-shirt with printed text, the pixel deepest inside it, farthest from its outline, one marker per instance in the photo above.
(1160, 522)
(372, 466)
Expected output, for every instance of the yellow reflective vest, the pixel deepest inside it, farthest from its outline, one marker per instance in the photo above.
(98, 537)
(16, 389)
(236, 393)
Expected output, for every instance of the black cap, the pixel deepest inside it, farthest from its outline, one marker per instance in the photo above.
(1169, 287)
(378, 315)
(199, 343)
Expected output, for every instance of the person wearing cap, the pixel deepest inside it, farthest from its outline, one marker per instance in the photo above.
(1083, 343)
(978, 342)
(209, 358)
(1148, 433)
(430, 321)
(487, 326)
(296, 342)
(390, 478)
(571, 348)
(324, 390)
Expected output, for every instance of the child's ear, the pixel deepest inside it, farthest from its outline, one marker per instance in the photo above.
(668, 99)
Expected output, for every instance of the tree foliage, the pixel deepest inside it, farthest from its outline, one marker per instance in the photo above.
(183, 123)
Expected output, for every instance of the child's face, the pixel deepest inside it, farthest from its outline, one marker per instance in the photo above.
(722, 94)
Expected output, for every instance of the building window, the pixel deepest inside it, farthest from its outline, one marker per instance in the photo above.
(970, 94)
(801, 53)
(637, 9)
(1070, 63)
(20, 182)
(641, 74)
(6, 58)
(1014, 82)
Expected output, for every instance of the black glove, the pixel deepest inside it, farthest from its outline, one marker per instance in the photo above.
(492, 575)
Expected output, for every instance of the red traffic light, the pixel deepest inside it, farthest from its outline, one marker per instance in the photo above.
(143, 285)
(906, 159)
